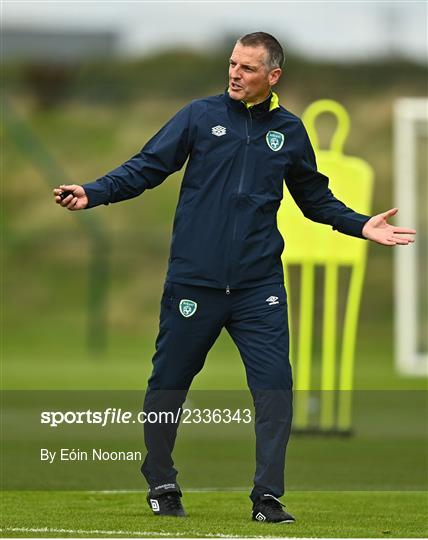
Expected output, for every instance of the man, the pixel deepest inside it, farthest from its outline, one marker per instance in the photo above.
(225, 265)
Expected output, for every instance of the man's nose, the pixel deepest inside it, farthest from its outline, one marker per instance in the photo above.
(235, 73)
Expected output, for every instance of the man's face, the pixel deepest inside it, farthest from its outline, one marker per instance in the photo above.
(249, 79)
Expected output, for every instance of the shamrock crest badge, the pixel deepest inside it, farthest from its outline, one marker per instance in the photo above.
(275, 140)
(187, 307)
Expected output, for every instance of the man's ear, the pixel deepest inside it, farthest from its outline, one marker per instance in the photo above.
(274, 76)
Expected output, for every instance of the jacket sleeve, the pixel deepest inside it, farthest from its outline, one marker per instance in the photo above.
(309, 188)
(163, 154)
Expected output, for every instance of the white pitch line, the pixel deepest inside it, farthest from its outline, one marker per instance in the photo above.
(132, 533)
(92, 531)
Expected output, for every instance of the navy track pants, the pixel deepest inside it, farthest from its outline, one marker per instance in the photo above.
(256, 319)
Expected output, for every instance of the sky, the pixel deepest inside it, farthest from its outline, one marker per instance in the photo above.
(328, 30)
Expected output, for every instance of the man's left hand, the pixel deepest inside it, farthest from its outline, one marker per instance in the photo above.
(379, 230)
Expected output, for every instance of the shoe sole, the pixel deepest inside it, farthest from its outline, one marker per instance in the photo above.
(266, 521)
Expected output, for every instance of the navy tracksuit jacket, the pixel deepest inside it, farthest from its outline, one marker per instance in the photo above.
(226, 258)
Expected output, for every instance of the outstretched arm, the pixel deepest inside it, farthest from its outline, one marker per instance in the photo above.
(309, 188)
(379, 230)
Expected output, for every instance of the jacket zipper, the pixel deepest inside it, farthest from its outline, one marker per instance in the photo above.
(241, 179)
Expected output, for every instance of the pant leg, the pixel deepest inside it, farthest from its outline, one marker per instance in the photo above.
(259, 328)
(181, 348)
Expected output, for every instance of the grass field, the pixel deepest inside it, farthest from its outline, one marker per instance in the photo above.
(214, 514)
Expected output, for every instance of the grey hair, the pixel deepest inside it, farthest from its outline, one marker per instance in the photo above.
(275, 53)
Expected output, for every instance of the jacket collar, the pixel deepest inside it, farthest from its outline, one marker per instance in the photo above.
(256, 111)
(271, 103)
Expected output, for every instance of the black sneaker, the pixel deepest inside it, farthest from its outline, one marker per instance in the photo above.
(268, 508)
(165, 501)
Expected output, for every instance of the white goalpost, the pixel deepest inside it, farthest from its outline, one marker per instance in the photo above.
(411, 265)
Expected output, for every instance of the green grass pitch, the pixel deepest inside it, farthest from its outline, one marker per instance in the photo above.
(388, 514)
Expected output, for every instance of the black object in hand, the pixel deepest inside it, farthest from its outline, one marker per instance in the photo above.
(65, 194)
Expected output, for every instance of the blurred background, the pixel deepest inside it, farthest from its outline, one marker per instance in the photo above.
(86, 84)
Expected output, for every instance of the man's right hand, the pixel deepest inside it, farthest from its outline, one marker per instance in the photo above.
(77, 201)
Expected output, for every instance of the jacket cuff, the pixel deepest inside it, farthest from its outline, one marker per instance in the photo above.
(96, 193)
(353, 225)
